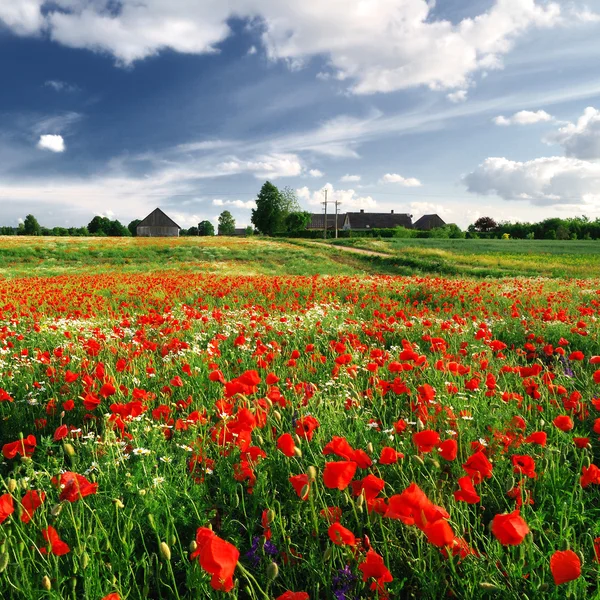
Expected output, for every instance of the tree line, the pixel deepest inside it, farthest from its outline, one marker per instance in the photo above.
(570, 228)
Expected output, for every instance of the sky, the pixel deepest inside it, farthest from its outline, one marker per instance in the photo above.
(464, 109)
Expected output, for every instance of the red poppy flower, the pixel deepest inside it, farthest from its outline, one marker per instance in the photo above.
(565, 566)
(563, 422)
(373, 566)
(340, 447)
(478, 467)
(467, 491)
(217, 557)
(286, 444)
(57, 546)
(61, 433)
(389, 456)
(439, 533)
(426, 440)
(24, 447)
(30, 502)
(537, 437)
(413, 507)
(113, 596)
(597, 549)
(448, 449)
(581, 442)
(293, 596)
(509, 528)
(333, 514)
(301, 484)
(339, 474)
(7, 507)
(341, 536)
(590, 475)
(75, 486)
(524, 465)
(306, 426)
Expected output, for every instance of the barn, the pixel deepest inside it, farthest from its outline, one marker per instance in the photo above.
(157, 224)
(429, 222)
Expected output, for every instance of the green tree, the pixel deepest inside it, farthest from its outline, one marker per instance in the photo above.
(296, 221)
(133, 226)
(193, 230)
(31, 226)
(226, 224)
(99, 225)
(268, 213)
(485, 224)
(206, 228)
(117, 229)
(249, 230)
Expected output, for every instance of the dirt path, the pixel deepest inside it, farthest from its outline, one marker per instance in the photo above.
(350, 250)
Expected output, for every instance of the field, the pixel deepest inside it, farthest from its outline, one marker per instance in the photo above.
(261, 419)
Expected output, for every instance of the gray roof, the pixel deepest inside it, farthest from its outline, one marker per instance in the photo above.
(363, 220)
(317, 220)
(157, 218)
(427, 222)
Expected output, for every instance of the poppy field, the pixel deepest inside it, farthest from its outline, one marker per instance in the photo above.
(186, 435)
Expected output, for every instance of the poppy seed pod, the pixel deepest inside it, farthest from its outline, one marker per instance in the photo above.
(277, 416)
(173, 540)
(272, 571)
(46, 583)
(69, 450)
(151, 521)
(370, 448)
(297, 452)
(312, 473)
(165, 551)
(12, 485)
(193, 546)
(271, 514)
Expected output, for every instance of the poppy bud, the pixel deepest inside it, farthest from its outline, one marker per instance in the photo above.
(369, 448)
(418, 459)
(259, 439)
(56, 510)
(142, 492)
(420, 425)
(271, 514)
(277, 416)
(484, 585)
(24, 484)
(586, 461)
(85, 560)
(542, 423)
(46, 583)
(165, 551)
(544, 587)
(151, 521)
(269, 403)
(12, 485)
(297, 452)
(69, 450)
(434, 462)
(193, 546)
(3, 561)
(73, 581)
(272, 571)
(360, 501)
(297, 439)
(173, 540)
(312, 473)
(328, 553)
(20, 547)
(26, 459)
(118, 503)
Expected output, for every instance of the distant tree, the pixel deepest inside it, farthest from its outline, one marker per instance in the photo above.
(133, 226)
(289, 201)
(31, 226)
(60, 231)
(485, 225)
(249, 230)
(562, 233)
(193, 230)
(268, 213)
(21, 229)
(296, 221)
(226, 224)
(116, 229)
(99, 225)
(206, 228)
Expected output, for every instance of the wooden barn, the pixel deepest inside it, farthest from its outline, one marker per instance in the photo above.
(157, 224)
(428, 222)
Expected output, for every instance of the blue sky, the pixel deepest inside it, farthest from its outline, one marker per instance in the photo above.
(114, 107)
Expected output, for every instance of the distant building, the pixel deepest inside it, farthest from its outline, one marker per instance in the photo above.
(362, 221)
(427, 222)
(317, 220)
(158, 224)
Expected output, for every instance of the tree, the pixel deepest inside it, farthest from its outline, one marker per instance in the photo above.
(117, 229)
(268, 213)
(193, 230)
(226, 223)
(297, 221)
(249, 230)
(99, 225)
(133, 226)
(485, 224)
(206, 228)
(31, 226)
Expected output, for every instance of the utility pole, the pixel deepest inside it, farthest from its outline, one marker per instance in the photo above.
(325, 224)
(337, 203)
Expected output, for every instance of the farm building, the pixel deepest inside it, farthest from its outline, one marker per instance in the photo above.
(318, 219)
(427, 222)
(362, 221)
(157, 224)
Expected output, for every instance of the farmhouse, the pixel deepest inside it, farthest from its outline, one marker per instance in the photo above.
(157, 224)
(428, 222)
(317, 221)
(362, 221)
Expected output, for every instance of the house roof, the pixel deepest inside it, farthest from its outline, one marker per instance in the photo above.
(157, 218)
(317, 221)
(363, 220)
(429, 222)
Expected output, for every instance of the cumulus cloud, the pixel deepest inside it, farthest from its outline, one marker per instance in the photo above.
(54, 143)
(524, 117)
(316, 173)
(348, 199)
(458, 96)
(380, 46)
(430, 208)
(236, 203)
(555, 180)
(264, 167)
(404, 181)
(581, 139)
(350, 178)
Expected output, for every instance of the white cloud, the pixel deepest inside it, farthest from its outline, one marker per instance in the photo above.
(395, 178)
(316, 173)
(348, 199)
(54, 143)
(61, 86)
(56, 123)
(236, 203)
(458, 96)
(581, 139)
(429, 208)
(555, 180)
(378, 46)
(524, 117)
(264, 167)
(350, 178)
(252, 50)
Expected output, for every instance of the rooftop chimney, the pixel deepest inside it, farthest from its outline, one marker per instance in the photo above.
(392, 211)
(362, 210)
